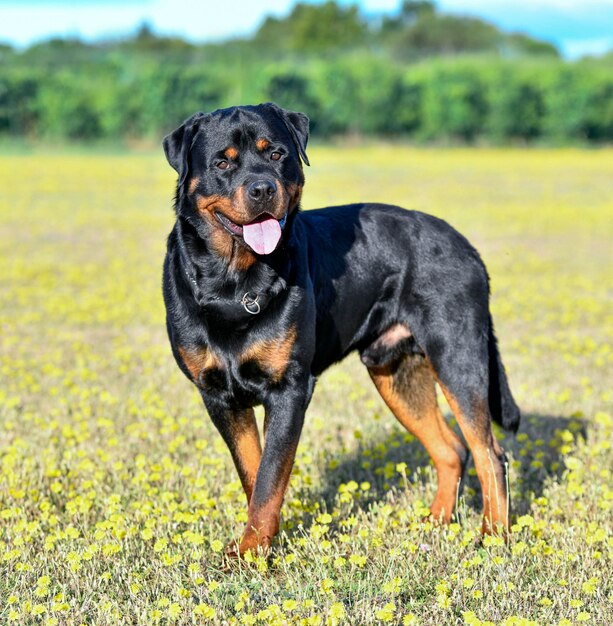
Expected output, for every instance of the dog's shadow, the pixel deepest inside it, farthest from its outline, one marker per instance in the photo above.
(534, 463)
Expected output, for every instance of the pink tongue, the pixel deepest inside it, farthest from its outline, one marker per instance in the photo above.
(263, 236)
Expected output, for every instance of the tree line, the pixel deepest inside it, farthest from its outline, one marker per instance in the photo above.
(418, 74)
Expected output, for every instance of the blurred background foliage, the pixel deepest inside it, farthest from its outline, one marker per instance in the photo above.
(419, 74)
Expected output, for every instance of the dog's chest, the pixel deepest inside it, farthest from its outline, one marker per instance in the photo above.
(240, 375)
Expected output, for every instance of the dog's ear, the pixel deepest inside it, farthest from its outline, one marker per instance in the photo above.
(178, 144)
(298, 126)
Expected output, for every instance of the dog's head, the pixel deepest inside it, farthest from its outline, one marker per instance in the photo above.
(240, 173)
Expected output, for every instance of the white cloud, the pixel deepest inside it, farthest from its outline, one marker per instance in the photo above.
(213, 20)
(22, 23)
(575, 48)
(571, 6)
(571, 23)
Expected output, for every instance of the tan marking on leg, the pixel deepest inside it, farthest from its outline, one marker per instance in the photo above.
(272, 355)
(264, 520)
(395, 334)
(197, 360)
(490, 470)
(418, 411)
(248, 451)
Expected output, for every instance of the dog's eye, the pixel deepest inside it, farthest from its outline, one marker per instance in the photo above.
(275, 156)
(222, 165)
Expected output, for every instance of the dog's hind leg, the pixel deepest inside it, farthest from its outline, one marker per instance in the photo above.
(462, 373)
(407, 386)
(489, 458)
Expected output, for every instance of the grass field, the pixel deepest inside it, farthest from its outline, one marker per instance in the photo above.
(117, 495)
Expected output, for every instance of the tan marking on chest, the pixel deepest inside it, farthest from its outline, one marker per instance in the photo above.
(272, 355)
(198, 360)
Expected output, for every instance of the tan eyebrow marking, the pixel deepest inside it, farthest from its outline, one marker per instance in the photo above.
(231, 152)
(261, 144)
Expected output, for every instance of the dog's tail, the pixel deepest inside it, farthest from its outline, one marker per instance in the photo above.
(502, 405)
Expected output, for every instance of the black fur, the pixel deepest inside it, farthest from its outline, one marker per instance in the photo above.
(340, 278)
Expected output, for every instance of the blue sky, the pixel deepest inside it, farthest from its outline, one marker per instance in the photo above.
(576, 26)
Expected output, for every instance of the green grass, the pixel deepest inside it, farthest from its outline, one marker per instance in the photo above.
(116, 493)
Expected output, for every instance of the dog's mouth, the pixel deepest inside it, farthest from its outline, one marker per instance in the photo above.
(262, 234)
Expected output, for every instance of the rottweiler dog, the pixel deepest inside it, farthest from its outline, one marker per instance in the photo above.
(262, 298)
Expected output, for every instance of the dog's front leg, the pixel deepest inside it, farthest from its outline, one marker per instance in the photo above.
(284, 419)
(240, 432)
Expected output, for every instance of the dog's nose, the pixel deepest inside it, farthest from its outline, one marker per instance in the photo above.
(262, 190)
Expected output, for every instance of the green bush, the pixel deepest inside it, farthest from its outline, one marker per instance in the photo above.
(515, 102)
(124, 94)
(18, 97)
(453, 103)
(68, 107)
(578, 103)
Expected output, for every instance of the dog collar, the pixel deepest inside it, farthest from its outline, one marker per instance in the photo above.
(251, 300)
